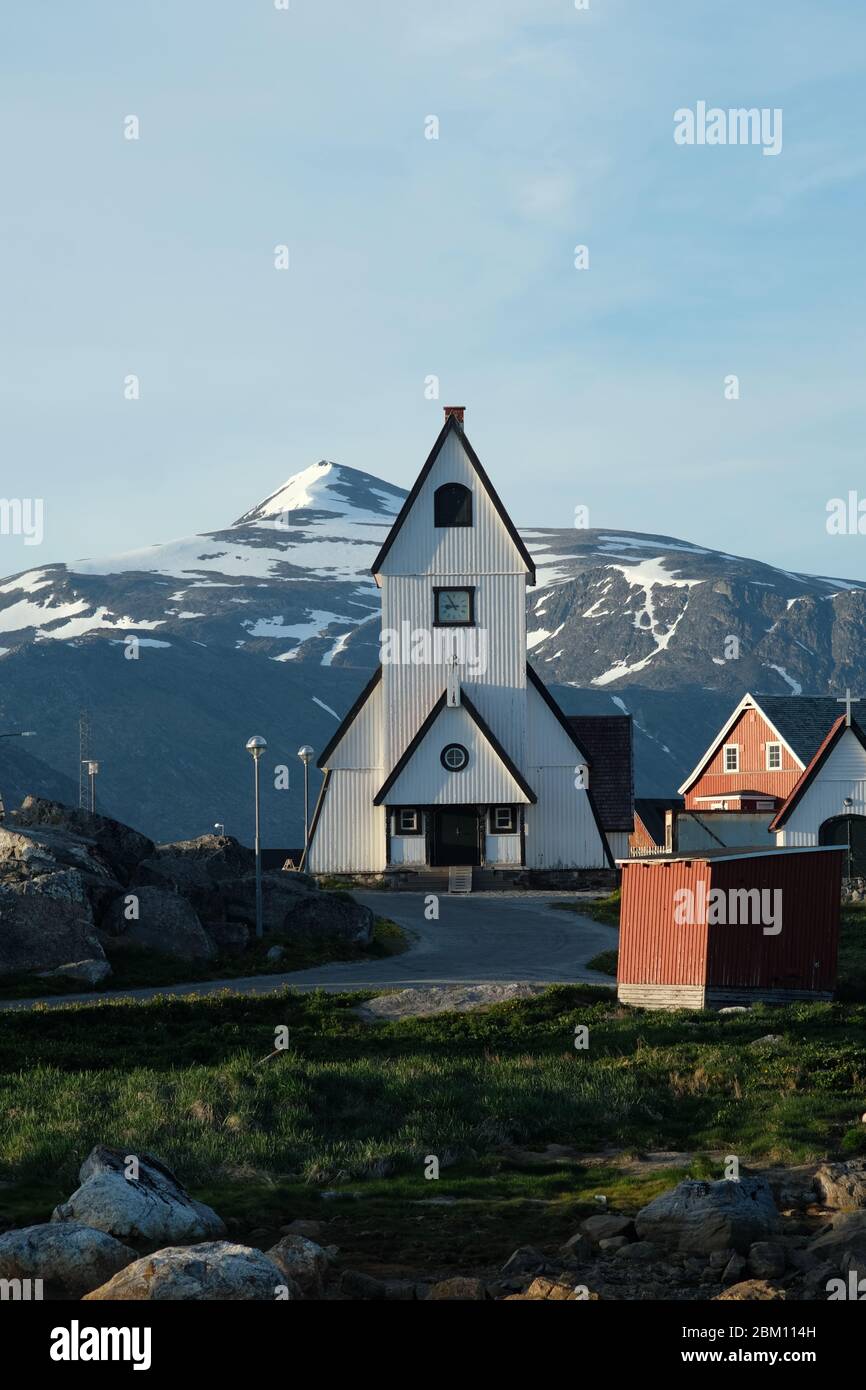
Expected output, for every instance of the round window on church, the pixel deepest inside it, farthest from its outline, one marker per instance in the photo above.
(455, 757)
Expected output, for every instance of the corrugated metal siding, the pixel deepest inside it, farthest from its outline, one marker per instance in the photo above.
(362, 744)
(618, 842)
(350, 834)
(547, 743)
(483, 548)
(408, 849)
(752, 733)
(561, 832)
(502, 849)
(653, 948)
(410, 691)
(803, 954)
(425, 782)
(843, 774)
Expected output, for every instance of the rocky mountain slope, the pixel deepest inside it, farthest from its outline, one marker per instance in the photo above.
(180, 649)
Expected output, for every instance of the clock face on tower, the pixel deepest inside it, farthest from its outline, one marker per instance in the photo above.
(454, 607)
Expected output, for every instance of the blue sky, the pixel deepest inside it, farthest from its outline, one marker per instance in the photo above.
(412, 257)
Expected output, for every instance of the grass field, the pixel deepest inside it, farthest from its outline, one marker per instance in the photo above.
(351, 1103)
(136, 968)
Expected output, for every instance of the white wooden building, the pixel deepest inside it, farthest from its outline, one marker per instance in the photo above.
(455, 754)
(828, 804)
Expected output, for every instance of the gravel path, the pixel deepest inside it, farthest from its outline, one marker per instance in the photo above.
(501, 938)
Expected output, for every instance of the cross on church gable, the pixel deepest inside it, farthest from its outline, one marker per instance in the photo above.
(848, 701)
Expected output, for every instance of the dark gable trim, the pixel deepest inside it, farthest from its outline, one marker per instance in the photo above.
(362, 699)
(315, 821)
(811, 772)
(452, 424)
(557, 713)
(488, 734)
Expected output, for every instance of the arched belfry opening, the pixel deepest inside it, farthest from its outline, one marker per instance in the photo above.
(452, 505)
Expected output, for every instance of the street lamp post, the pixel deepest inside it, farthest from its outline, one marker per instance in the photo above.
(256, 747)
(305, 753)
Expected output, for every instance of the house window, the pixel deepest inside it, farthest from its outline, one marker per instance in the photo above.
(732, 757)
(503, 820)
(408, 821)
(453, 607)
(452, 505)
(774, 757)
(455, 757)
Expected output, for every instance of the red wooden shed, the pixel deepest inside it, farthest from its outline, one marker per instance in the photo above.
(729, 927)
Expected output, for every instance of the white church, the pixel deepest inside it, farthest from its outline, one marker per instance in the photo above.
(455, 756)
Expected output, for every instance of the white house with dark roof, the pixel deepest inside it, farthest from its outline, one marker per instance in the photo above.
(455, 755)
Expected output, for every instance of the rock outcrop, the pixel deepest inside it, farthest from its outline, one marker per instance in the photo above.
(160, 920)
(148, 1208)
(72, 883)
(703, 1216)
(213, 1271)
(72, 1258)
(47, 922)
(842, 1185)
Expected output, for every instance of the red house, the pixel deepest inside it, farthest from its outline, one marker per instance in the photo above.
(729, 927)
(759, 755)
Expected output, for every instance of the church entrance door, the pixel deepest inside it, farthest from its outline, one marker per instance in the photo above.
(456, 837)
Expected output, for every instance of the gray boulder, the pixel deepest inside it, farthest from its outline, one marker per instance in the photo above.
(73, 1257)
(766, 1260)
(90, 972)
(196, 869)
(842, 1185)
(331, 914)
(292, 907)
(599, 1228)
(698, 1217)
(213, 1271)
(216, 856)
(303, 1261)
(147, 1210)
(844, 1245)
(165, 922)
(229, 938)
(281, 894)
(46, 922)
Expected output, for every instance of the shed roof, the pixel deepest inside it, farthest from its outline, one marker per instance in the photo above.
(725, 853)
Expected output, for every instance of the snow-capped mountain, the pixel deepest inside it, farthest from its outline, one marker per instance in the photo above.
(275, 619)
(290, 580)
(295, 567)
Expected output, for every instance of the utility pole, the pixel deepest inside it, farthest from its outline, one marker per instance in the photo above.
(92, 769)
(84, 791)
